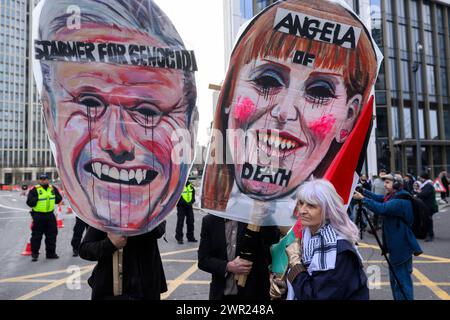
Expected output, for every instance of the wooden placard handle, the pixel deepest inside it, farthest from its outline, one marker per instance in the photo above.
(117, 272)
(242, 278)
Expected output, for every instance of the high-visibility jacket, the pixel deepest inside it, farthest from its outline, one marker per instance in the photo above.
(187, 193)
(46, 199)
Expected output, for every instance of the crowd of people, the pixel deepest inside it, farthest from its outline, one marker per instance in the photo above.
(421, 187)
(325, 264)
(115, 133)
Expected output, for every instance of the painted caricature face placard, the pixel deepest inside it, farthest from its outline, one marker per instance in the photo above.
(299, 77)
(116, 82)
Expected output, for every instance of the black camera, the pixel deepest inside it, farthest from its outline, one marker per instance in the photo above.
(359, 188)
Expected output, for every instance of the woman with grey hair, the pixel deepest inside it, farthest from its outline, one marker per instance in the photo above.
(326, 264)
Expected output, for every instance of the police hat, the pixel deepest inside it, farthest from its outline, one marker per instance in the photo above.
(43, 176)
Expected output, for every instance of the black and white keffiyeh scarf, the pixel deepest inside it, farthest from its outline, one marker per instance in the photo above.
(319, 251)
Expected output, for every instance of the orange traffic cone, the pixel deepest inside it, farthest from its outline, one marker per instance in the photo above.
(27, 251)
(59, 222)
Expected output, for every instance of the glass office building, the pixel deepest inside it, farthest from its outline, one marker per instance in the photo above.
(24, 147)
(413, 35)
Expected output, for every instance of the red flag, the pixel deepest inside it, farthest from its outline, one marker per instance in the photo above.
(346, 163)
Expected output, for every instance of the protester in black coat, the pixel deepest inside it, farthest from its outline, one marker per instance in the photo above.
(445, 183)
(329, 285)
(213, 258)
(408, 183)
(143, 273)
(428, 195)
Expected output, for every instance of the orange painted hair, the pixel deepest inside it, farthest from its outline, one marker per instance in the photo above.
(359, 67)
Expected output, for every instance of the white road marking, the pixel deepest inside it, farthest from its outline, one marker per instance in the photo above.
(16, 209)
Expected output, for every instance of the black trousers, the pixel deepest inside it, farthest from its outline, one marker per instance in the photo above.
(78, 230)
(43, 224)
(182, 212)
(430, 225)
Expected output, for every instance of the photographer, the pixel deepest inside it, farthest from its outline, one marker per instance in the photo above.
(398, 239)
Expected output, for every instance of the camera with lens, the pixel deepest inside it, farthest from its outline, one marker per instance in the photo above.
(359, 188)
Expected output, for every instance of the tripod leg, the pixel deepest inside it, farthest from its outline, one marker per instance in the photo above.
(384, 253)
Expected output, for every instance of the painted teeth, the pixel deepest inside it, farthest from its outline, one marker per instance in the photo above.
(123, 175)
(114, 173)
(138, 176)
(276, 142)
(97, 166)
(105, 170)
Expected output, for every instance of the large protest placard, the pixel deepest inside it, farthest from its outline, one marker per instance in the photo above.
(116, 82)
(295, 105)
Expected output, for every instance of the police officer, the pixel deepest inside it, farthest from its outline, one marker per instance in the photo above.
(184, 209)
(42, 200)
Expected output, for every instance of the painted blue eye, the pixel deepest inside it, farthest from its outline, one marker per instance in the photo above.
(320, 91)
(269, 79)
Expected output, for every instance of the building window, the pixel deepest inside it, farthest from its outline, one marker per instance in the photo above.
(246, 9)
(440, 19)
(380, 83)
(407, 122)
(429, 44)
(431, 82)
(414, 12)
(403, 38)
(410, 159)
(395, 122)
(441, 39)
(356, 6)
(448, 158)
(434, 123)
(393, 76)
(401, 9)
(388, 7)
(405, 78)
(261, 4)
(444, 82)
(427, 15)
(446, 122)
(425, 163)
(421, 124)
(382, 127)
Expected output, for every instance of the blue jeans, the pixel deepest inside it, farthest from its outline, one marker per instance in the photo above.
(403, 272)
